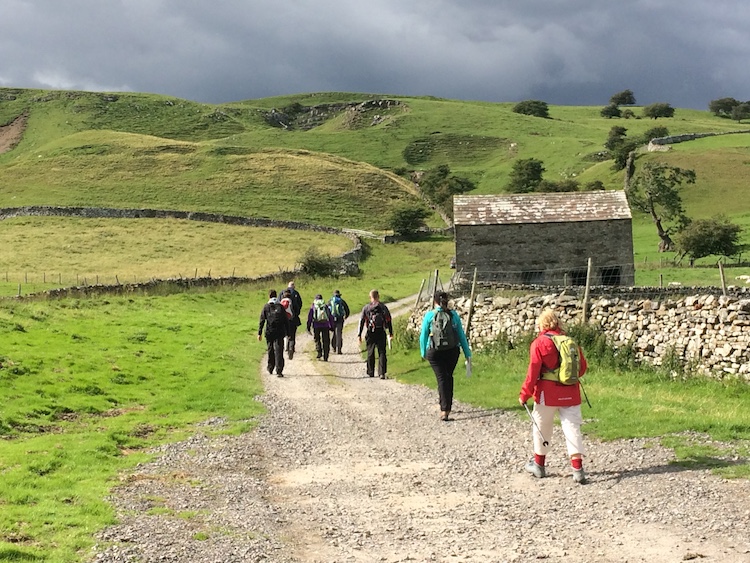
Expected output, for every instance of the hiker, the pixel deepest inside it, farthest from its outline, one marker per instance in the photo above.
(551, 396)
(273, 317)
(340, 312)
(441, 340)
(296, 318)
(377, 318)
(321, 320)
(294, 322)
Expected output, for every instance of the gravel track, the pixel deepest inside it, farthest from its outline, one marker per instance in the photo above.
(346, 468)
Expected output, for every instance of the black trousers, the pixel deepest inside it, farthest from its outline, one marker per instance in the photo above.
(443, 363)
(275, 347)
(292, 338)
(322, 342)
(376, 341)
(338, 338)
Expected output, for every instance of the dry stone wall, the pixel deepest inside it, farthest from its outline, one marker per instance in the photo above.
(709, 334)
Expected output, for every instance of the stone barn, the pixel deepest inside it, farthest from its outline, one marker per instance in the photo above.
(545, 239)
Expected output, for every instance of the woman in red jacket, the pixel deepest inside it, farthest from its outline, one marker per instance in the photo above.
(552, 397)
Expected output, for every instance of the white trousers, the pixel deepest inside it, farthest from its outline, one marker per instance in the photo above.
(570, 420)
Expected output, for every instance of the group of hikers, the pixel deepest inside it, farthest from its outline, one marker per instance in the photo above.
(556, 362)
(282, 315)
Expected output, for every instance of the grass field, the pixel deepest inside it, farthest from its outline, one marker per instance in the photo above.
(44, 252)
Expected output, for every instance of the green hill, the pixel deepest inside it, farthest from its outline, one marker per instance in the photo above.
(327, 158)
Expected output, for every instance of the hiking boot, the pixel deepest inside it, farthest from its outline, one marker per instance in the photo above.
(535, 469)
(290, 354)
(579, 476)
(382, 376)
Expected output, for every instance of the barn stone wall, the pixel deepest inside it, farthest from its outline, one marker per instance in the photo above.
(548, 253)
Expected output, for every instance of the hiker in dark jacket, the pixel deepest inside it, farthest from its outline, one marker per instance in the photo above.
(377, 319)
(340, 312)
(321, 320)
(443, 351)
(273, 317)
(296, 318)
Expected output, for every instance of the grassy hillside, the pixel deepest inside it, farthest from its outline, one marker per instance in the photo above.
(333, 165)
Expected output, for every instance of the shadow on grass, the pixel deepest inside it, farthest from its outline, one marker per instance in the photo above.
(12, 554)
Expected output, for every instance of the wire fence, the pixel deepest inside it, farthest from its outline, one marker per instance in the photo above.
(24, 283)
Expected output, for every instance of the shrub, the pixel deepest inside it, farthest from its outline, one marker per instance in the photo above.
(610, 111)
(316, 264)
(535, 108)
(407, 219)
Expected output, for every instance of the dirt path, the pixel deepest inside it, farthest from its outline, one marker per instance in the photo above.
(347, 468)
(11, 134)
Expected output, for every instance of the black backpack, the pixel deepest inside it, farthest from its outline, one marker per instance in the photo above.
(376, 318)
(275, 319)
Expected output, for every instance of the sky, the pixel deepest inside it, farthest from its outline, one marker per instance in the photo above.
(569, 52)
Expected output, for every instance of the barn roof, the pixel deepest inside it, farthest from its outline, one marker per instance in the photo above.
(540, 208)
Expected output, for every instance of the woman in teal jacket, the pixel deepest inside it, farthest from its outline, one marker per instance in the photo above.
(440, 343)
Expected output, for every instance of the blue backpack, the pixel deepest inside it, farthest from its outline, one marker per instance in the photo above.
(337, 308)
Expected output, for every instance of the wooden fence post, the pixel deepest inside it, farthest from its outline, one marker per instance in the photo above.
(419, 295)
(471, 304)
(723, 279)
(585, 317)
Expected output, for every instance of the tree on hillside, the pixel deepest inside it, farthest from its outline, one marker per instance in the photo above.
(525, 176)
(610, 111)
(655, 190)
(620, 146)
(654, 133)
(723, 106)
(532, 107)
(622, 152)
(624, 98)
(407, 219)
(615, 137)
(439, 185)
(717, 236)
(655, 111)
(741, 111)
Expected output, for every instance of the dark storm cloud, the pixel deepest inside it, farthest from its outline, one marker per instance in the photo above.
(684, 52)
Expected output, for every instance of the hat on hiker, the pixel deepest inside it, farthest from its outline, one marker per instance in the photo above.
(337, 293)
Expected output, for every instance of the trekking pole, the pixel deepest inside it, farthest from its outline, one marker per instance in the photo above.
(545, 443)
(584, 394)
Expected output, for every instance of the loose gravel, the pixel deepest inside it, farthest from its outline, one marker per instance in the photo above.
(347, 468)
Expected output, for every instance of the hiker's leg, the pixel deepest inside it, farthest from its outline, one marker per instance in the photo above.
(371, 345)
(570, 421)
(338, 336)
(318, 343)
(271, 354)
(382, 340)
(542, 430)
(278, 348)
(441, 375)
(326, 336)
(450, 359)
